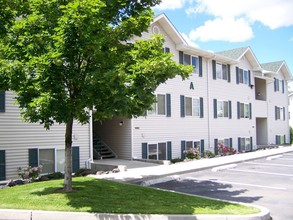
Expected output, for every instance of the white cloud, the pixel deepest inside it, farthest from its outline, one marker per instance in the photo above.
(170, 4)
(224, 29)
(189, 41)
(272, 13)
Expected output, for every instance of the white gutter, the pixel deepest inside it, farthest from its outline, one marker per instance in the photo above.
(91, 138)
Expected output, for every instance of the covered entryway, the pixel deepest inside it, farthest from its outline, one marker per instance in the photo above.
(261, 131)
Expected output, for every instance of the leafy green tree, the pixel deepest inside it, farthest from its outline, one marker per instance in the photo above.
(63, 58)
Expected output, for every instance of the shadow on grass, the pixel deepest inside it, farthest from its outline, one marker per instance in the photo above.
(102, 196)
(211, 189)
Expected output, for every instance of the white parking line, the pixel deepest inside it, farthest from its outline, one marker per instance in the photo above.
(268, 173)
(274, 157)
(236, 183)
(270, 164)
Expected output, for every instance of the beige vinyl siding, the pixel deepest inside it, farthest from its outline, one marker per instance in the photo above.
(16, 137)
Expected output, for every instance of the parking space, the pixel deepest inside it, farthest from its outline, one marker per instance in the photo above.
(267, 182)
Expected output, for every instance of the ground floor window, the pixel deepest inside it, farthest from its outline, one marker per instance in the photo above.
(280, 139)
(157, 151)
(53, 160)
(225, 141)
(47, 160)
(244, 144)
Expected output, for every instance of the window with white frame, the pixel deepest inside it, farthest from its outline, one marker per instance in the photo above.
(222, 108)
(159, 107)
(47, 160)
(190, 60)
(192, 106)
(244, 110)
(157, 151)
(245, 144)
(192, 144)
(225, 142)
(243, 76)
(280, 113)
(280, 139)
(222, 71)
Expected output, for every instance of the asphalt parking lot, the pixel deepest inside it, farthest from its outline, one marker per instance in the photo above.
(267, 182)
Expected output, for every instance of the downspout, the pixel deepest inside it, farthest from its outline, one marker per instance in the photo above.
(91, 140)
(208, 103)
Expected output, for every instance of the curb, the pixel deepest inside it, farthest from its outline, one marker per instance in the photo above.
(11, 214)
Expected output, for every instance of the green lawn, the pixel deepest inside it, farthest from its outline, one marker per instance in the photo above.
(102, 196)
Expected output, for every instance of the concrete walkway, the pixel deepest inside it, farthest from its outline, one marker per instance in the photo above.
(157, 173)
(148, 175)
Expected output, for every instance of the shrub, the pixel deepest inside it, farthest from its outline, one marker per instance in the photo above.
(176, 160)
(208, 154)
(29, 173)
(192, 153)
(225, 150)
(82, 172)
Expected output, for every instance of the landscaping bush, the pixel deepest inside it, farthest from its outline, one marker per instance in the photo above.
(82, 172)
(208, 154)
(29, 173)
(176, 160)
(192, 153)
(225, 150)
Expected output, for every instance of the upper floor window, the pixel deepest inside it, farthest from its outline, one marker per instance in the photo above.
(194, 61)
(244, 110)
(2, 101)
(222, 109)
(166, 50)
(279, 85)
(191, 106)
(162, 106)
(279, 113)
(221, 71)
(243, 76)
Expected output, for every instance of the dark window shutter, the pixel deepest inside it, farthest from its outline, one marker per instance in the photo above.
(200, 66)
(283, 86)
(230, 109)
(249, 78)
(75, 159)
(201, 146)
(215, 108)
(144, 150)
(284, 139)
(182, 106)
(238, 110)
(33, 159)
(231, 142)
(229, 72)
(276, 113)
(250, 111)
(237, 75)
(2, 165)
(201, 113)
(239, 144)
(251, 143)
(168, 100)
(2, 101)
(169, 150)
(216, 146)
(275, 84)
(277, 139)
(284, 113)
(214, 69)
(181, 57)
(182, 149)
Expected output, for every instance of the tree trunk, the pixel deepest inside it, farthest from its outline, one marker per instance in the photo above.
(68, 160)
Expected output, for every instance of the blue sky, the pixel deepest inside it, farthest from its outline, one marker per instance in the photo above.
(216, 25)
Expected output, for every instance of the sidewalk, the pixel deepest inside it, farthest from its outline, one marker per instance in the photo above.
(161, 173)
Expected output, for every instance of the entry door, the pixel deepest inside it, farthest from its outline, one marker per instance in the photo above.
(2, 165)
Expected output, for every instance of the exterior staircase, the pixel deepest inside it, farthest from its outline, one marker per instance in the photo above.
(101, 150)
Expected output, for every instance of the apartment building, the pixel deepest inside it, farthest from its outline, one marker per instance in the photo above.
(229, 98)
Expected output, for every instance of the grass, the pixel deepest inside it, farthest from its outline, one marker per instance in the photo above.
(103, 196)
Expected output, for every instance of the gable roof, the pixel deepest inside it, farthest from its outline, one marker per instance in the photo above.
(238, 53)
(275, 67)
